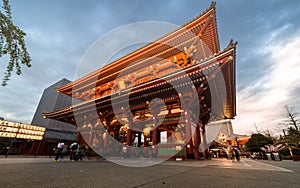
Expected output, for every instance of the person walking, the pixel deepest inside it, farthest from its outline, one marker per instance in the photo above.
(236, 154)
(59, 150)
(64, 151)
(76, 153)
(229, 153)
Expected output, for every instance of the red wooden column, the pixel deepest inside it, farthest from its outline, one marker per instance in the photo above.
(145, 147)
(129, 136)
(93, 123)
(204, 148)
(155, 109)
(130, 127)
(79, 138)
(154, 136)
(129, 117)
(196, 141)
(139, 139)
(106, 141)
(102, 119)
(107, 134)
(192, 130)
(188, 136)
(169, 137)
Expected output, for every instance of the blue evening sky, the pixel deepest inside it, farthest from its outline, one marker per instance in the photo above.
(268, 53)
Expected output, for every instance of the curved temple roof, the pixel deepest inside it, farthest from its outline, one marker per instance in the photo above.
(203, 27)
(207, 33)
(224, 62)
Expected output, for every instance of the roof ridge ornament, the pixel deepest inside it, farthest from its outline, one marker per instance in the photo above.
(231, 44)
(213, 4)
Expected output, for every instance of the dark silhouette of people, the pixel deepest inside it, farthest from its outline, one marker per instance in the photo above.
(59, 150)
(236, 154)
(76, 153)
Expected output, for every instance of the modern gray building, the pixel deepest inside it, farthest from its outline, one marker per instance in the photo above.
(51, 101)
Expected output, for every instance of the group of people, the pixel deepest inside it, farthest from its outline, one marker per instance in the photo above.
(62, 149)
(233, 153)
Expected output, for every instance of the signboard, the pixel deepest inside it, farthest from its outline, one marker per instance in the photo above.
(20, 130)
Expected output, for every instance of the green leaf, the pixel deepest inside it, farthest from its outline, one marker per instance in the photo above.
(12, 43)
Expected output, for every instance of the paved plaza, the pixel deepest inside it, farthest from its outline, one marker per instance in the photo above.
(44, 172)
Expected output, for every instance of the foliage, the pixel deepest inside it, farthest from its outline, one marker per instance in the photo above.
(12, 43)
(292, 140)
(284, 152)
(291, 119)
(257, 141)
(291, 135)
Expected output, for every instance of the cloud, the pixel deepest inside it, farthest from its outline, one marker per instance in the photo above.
(59, 32)
(262, 103)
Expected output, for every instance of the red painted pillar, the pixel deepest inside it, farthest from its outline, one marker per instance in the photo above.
(145, 146)
(129, 117)
(196, 142)
(91, 141)
(204, 148)
(139, 139)
(129, 137)
(188, 136)
(154, 136)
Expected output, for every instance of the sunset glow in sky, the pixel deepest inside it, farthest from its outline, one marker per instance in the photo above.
(268, 52)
